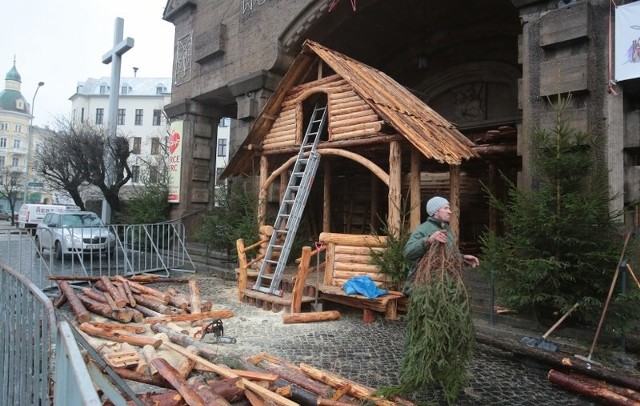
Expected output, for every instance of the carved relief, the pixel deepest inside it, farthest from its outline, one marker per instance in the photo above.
(183, 59)
(469, 102)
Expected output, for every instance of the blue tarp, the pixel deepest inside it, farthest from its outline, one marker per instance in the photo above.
(362, 285)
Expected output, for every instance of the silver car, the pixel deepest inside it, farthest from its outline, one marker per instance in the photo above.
(77, 232)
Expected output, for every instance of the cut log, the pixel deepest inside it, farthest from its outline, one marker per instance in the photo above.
(94, 294)
(103, 309)
(124, 327)
(227, 373)
(560, 361)
(291, 373)
(168, 398)
(146, 311)
(112, 304)
(330, 402)
(204, 350)
(310, 317)
(114, 335)
(128, 293)
(229, 388)
(80, 311)
(144, 289)
(195, 299)
(209, 394)
(153, 304)
(589, 387)
(252, 375)
(216, 314)
(171, 375)
(185, 366)
(60, 301)
(113, 291)
(149, 354)
(355, 389)
(159, 381)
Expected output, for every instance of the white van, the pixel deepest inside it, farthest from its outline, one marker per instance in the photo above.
(31, 214)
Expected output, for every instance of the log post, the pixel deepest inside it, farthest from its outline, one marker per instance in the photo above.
(395, 180)
(128, 293)
(326, 200)
(144, 289)
(81, 312)
(262, 194)
(415, 208)
(454, 199)
(242, 268)
(300, 280)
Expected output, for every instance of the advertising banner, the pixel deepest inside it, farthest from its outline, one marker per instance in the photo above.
(627, 40)
(175, 161)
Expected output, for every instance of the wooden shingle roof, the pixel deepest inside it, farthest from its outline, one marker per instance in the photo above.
(424, 128)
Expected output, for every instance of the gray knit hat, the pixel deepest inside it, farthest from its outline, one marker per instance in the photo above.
(436, 203)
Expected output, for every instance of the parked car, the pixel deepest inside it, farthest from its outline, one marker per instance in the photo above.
(30, 215)
(5, 215)
(77, 232)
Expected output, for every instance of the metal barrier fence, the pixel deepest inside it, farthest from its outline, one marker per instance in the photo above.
(28, 326)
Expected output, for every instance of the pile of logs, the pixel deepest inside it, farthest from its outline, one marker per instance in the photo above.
(154, 337)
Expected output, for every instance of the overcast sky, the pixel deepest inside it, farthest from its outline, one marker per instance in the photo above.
(62, 42)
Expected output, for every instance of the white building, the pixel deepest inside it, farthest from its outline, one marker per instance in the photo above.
(140, 116)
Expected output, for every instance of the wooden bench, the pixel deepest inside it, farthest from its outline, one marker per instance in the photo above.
(347, 256)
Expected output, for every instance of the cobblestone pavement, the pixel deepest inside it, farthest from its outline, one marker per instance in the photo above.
(370, 353)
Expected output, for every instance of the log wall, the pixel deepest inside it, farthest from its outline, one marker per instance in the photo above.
(349, 255)
(349, 116)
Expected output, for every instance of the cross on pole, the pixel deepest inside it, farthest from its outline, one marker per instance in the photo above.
(113, 57)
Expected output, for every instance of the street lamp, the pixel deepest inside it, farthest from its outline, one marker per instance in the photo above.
(33, 103)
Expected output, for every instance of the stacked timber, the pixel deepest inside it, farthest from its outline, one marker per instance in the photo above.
(153, 336)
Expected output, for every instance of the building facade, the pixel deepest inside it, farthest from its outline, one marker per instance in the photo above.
(16, 132)
(141, 118)
(489, 67)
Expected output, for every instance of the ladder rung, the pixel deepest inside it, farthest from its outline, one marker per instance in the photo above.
(271, 261)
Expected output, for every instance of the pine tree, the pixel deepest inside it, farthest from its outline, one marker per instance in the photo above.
(561, 243)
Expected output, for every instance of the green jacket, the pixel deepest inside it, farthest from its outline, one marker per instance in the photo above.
(416, 246)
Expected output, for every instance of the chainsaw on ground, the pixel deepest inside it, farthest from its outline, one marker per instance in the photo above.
(217, 329)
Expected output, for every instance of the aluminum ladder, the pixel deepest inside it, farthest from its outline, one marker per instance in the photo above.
(292, 206)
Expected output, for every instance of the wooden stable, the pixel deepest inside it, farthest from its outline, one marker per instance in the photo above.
(380, 144)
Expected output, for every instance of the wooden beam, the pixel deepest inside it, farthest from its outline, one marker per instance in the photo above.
(395, 187)
(415, 206)
(454, 200)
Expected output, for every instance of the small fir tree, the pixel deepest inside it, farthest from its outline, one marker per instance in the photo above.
(561, 243)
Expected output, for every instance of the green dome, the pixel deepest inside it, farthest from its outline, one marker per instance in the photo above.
(13, 75)
(8, 100)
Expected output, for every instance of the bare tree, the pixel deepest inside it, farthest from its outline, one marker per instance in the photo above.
(11, 187)
(54, 163)
(85, 154)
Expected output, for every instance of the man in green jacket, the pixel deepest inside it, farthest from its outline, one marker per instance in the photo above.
(435, 230)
